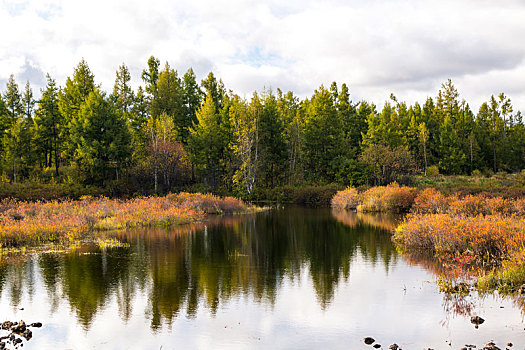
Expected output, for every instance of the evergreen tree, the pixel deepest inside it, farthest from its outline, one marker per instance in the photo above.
(102, 138)
(323, 136)
(245, 120)
(289, 110)
(192, 99)
(122, 90)
(169, 98)
(70, 100)
(205, 142)
(272, 147)
(48, 124)
(151, 75)
(14, 133)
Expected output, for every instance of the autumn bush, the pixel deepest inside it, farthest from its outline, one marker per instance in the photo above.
(391, 198)
(30, 223)
(430, 201)
(485, 236)
(346, 199)
(208, 203)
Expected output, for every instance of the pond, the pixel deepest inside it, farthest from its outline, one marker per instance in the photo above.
(289, 278)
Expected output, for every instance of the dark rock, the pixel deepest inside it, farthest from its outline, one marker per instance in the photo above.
(509, 345)
(394, 347)
(476, 320)
(27, 334)
(2, 345)
(19, 327)
(369, 340)
(18, 340)
(36, 324)
(491, 346)
(377, 346)
(7, 325)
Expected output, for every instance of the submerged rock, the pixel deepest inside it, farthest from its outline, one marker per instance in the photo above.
(369, 340)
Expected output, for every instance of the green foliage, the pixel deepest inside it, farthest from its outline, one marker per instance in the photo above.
(246, 147)
(387, 164)
(323, 136)
(101, 138)
(432, 171)
(206, 143)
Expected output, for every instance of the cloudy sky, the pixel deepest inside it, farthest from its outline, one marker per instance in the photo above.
(376, 46)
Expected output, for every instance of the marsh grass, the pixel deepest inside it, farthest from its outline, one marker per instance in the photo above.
(34, 223)
(490, 229)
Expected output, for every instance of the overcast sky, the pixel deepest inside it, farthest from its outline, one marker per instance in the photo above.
(377, 47)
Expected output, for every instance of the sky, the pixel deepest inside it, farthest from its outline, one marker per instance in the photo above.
(376, 47)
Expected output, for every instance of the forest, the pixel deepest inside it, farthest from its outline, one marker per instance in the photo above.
(175, 133)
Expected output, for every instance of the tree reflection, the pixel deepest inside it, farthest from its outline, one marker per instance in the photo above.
(208, 264)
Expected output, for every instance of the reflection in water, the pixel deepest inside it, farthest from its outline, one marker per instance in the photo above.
(206, 264)
(344, 260)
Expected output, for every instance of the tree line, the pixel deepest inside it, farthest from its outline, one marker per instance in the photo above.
(173, 132)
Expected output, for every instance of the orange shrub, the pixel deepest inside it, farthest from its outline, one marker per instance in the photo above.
(519, 207)
(480, 205)
(37, 222)
(430, 201)
(208, 203)
(391, 198)
(346, 199)
(492, 235)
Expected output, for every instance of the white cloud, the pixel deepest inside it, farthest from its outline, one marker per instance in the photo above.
(376, 47)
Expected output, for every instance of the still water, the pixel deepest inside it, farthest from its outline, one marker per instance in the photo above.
(291, 278)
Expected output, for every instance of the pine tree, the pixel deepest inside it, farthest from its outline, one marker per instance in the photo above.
(151, 76)
(169, 98)
(13, 137)
(101, 137)
(48, 124)
(205, 142)
(122, 90)
(272, 147)
(70, 100)
(323, 136)
(192, 99)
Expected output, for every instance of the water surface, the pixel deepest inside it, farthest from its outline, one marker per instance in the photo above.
(291, 278)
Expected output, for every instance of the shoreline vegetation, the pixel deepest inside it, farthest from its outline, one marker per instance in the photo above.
(484, 232)
(66, 221)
